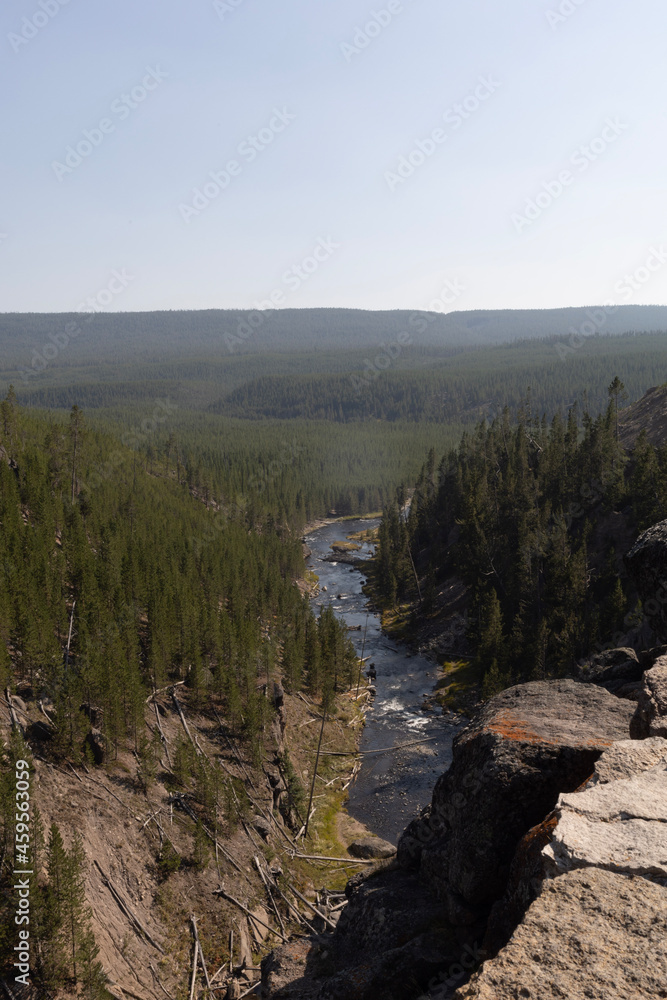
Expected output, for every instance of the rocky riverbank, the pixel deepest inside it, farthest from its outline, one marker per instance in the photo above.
(540, 865)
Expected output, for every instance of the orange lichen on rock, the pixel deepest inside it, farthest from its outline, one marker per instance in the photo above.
(514, 729)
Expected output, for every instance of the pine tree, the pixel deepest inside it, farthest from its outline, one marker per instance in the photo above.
(616, 392)
(91, 974)
(148, 755)
(76, 431)
(201, 852)
(55, 964)
(491, 644)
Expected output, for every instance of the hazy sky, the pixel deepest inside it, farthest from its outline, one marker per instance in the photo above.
(404, 140)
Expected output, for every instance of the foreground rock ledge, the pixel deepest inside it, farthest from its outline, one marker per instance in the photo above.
(410, 923)
(527, 745)
(621, 825)
(590, 935)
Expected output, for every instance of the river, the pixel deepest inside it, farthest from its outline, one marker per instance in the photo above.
(391, 787)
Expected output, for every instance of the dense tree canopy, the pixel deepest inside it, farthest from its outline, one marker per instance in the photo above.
(526, 515)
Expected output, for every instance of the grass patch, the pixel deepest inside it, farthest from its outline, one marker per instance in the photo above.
(459, 688)
(396, 622)
(345, 547)
(367, 535)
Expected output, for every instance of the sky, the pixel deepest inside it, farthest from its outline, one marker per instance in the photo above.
(413, 154)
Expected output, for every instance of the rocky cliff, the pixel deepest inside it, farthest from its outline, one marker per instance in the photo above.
(540, 865)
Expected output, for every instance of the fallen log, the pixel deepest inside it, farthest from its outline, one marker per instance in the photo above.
(193, 980)
(223, 892)
(269, 893)
(162, 690)
(193, 921)
(158, 980)
(12, 713)
(299, 916)
(125, 907)
(345, 861)
(162, 736)
(361, 753)
(310, 906)
(185, 725)
(179, 800)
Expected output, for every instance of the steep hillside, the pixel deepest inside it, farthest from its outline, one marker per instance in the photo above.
(168, 677)
(197, 832)
(516, 539)
(648, 414)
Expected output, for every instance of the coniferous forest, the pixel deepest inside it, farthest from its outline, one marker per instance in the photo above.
(534, 517)
(152, 536)
(333, 502)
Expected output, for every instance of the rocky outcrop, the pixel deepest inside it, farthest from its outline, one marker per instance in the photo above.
(389, 938)
(595, 876)
(543, 854)
(620, 825)
(616, 670)
(627, 758)
(390, 941)
(591, 935)
(371, 847)
(650, 718)
(527, 745)
(580, 832)
(408, 924)
(646, 563)
(647, 414)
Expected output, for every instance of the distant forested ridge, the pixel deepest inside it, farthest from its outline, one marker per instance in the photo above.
(463, 388)
(70, 339)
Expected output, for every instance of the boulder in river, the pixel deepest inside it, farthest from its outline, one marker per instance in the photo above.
(371, 847)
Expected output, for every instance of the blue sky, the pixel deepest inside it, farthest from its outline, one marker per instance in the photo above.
(338, 95)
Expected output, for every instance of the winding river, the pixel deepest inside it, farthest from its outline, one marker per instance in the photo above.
(391, 787)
